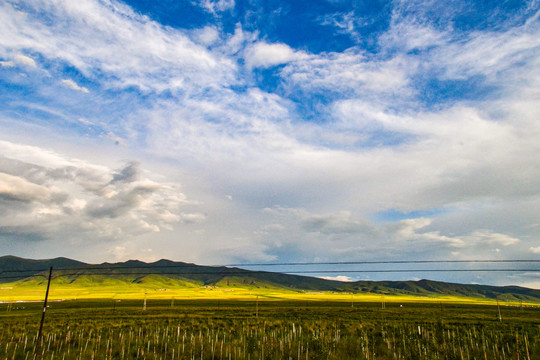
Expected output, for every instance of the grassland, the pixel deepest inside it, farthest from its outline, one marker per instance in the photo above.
(158, 287)
(231, 329)
(97, 317)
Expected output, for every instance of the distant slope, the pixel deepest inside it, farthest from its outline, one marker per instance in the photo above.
(430, 288)
(166, 273)
(16, 263)
(14, 268)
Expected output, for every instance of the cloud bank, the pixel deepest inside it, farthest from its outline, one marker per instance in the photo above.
(43, 197)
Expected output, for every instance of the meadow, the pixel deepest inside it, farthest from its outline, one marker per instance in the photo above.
(271, 329)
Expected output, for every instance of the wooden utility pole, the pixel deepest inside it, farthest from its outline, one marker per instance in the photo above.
(45, 304)
(38, 339)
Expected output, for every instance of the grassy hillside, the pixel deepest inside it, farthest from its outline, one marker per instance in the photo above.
(434, 288)
(167, 279)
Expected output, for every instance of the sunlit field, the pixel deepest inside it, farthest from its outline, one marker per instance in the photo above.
(156, 287)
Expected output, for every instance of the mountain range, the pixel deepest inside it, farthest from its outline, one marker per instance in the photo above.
(16, 269)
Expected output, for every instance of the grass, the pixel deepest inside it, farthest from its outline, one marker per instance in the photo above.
(103, 318)
(231, 329)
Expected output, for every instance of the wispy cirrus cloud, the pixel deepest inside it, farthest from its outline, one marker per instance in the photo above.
(73, 85)
(348, 74)
(215, 6)
(111, 40)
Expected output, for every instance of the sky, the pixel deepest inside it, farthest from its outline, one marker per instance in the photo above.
(251, 131)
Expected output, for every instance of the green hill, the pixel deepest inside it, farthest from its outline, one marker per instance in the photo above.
(169, 274)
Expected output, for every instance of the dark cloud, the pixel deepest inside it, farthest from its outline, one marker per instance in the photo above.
(120, 203)
(129, 173)
(33, 173)
(18, 234)
(340, 223)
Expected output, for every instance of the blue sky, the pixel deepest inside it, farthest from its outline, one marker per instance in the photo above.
(271, 131)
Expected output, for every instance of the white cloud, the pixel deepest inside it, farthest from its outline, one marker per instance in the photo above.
(344, 22)
(119, 253)
(215, 6)
(73, 85)
(7, 64)
(488, 53)
(208, 35)
(111, 40)
(262, 54)
(236, 42)
(85, 121)
(488, 237)
(54, 196)
(347, 237)
(407, 36)
(338, 278)
(535, 250)
(192, 218)
(350, 73)
(240, 249)
(25, 60)
(13, 188)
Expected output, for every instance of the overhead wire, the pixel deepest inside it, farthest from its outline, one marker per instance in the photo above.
(183, 265)
(248, 272)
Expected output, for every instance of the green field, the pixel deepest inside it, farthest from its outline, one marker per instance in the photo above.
(233, 329)
(98, 317)
(159, 287)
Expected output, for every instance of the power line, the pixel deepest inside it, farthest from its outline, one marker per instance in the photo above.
(309, 272)
(180, 274)
(385, 262)
(150, 266)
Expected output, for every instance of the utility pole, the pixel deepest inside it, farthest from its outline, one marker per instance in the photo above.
(38, 339)
(45, 304)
